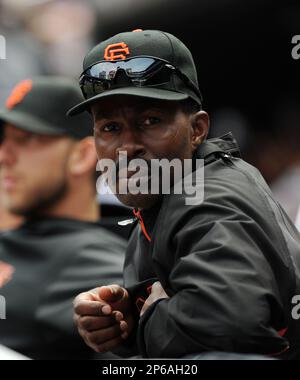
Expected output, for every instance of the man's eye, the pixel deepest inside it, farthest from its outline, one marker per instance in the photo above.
(26, 138)
(110, 128)
(149, 121)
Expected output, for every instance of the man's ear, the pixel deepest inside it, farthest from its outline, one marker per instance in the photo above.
(83, 158)
(200, 125)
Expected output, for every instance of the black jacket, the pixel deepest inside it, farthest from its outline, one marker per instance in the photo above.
(43, 265)
(230, 265)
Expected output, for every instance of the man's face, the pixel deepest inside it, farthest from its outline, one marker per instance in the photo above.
(144, 129)
(33, 170)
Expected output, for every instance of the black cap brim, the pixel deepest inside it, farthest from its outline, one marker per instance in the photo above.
(152, 93)
(28, 123)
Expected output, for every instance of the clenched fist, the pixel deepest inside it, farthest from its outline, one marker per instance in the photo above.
(103, 317)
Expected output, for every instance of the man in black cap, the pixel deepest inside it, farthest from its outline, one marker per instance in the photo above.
(216, 275)
(47, 176)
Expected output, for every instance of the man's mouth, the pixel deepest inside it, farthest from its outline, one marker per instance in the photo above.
(138, 174)
(133, 182)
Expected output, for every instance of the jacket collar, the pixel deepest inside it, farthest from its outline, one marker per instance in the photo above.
(224, 144)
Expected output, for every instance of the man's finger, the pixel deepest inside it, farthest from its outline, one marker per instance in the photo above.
(89, 323)
(91, 295)
(102, 336)
(156, 286)
(146, 305)
(111, 293)
(93, 308)
(157, 292)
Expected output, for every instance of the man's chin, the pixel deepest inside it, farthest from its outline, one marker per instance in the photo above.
(13, 203)
(141, 201)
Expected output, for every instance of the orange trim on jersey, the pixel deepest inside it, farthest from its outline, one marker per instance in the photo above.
(139, 216)
(282, 332)
(139, 303)
(149, 289)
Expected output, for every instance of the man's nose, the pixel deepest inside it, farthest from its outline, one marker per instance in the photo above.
(131, 144)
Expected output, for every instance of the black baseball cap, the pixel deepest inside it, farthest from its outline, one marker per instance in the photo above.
(145, 43)
(39, 105)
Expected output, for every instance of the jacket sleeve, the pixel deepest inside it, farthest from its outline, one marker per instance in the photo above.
(224, 291)
(92, 265)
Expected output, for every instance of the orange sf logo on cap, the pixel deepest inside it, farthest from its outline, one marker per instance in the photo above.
(18, 93)
(116, 51)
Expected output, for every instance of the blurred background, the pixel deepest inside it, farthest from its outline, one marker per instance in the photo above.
(242, 49)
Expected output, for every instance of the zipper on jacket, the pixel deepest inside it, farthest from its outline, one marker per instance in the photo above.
(127, 221)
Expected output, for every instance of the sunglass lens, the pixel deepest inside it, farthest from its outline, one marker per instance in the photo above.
(161, 76)
(90, 87)
(138, 66)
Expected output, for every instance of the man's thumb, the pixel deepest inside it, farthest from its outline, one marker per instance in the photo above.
(111, 293)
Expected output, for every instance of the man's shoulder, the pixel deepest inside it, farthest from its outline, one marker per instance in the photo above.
(223, 180)
(230, 188)
(225, 174)
(91, 253)
(229, 175)
(95, 237)
(58, 238)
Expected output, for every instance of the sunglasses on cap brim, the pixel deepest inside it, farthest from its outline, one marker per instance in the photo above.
(139, 72)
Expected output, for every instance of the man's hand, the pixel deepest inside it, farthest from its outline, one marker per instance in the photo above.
(103, 317)
(157, 292)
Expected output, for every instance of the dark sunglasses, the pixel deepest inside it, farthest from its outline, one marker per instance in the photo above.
(140, 72)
